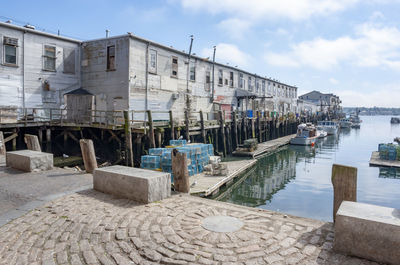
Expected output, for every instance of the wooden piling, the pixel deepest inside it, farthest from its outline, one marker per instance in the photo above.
(187, 125)
(48, 140)
(244, 126)
(344, 180)
(235, 130)
(151, 130)
(128, 140)
(88, 155)
(222, 129)
(203, 131)
(14, 140)
(180, 171)
(259, 127)
(32, 142)
(2, 144)
(171, 124)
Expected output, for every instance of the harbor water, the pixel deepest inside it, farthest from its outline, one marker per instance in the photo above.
(297, 179)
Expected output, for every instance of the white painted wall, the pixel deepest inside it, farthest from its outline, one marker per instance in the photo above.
(29, 75)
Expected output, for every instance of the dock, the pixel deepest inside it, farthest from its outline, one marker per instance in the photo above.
(265, 147)
(376, 161)
(205, 185)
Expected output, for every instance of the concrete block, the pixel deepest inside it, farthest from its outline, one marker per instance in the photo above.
(368, 231)
(138, 184)
(28, 160)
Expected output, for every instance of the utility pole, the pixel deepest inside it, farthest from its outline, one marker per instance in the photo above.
(187, 77)
(213, 65)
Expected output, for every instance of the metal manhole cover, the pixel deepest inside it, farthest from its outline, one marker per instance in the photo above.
(222, 223)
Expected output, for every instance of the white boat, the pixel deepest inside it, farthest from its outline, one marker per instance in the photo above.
(321, 133)
(330, 127)
(355, 121)
(345, 123)
(306, 135)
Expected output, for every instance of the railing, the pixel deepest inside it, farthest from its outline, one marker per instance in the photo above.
(137, 118)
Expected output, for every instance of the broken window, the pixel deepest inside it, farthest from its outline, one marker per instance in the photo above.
(153, 61)
(192, 73)
(10, 50)
(49, 58)
(111, 57)
(69, 61)
(174, 68)
(231, 79)
(220, 77)
(241, 81)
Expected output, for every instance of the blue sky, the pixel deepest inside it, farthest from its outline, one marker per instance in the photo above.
(348, 47)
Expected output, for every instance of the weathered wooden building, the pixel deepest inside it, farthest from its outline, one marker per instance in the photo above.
(131, 72)
(36, 68)
(124, 72)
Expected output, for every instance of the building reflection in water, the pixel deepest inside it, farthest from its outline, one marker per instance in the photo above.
(272, 173)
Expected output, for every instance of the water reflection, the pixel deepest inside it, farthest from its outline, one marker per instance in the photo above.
(297, 180)
(389, 172)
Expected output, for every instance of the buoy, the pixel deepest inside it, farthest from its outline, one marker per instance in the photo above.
(312, 144)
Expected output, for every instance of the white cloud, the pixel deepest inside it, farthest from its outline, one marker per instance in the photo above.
(370, 46)
(387, 96)
(229, 53)
(235, 28)
(262, 9)
(333, 81)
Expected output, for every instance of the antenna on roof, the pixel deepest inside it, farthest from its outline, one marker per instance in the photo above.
(107, 32)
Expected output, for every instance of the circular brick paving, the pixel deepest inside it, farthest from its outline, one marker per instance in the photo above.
(94, 228)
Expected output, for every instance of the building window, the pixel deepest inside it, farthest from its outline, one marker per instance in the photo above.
(10, 51)
(226, 81)
(257, 85)
(153, 62)
(208, 81)
(192, 73)
(111, 58)
(250, 87)
(49, 57)
(174, 67)
(220, 77)
(69, 61)
(263, 87)
(231, 79)
(241, 83)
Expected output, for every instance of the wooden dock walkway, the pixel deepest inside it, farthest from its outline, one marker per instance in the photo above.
(376, 161)
(206, 185)
(265, 147)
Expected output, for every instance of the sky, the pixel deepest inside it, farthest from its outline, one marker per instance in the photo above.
(347, 47)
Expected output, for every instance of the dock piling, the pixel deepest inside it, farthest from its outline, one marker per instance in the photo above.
(88, 155)
(32, 142)
(344, 180)
(180, 171)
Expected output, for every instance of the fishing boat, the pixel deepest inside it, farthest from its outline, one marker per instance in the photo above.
(330, 127)
(306, 135)
(355, 121)
(345, 123)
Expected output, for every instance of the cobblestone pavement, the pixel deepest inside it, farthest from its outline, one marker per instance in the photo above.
(94, 228)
